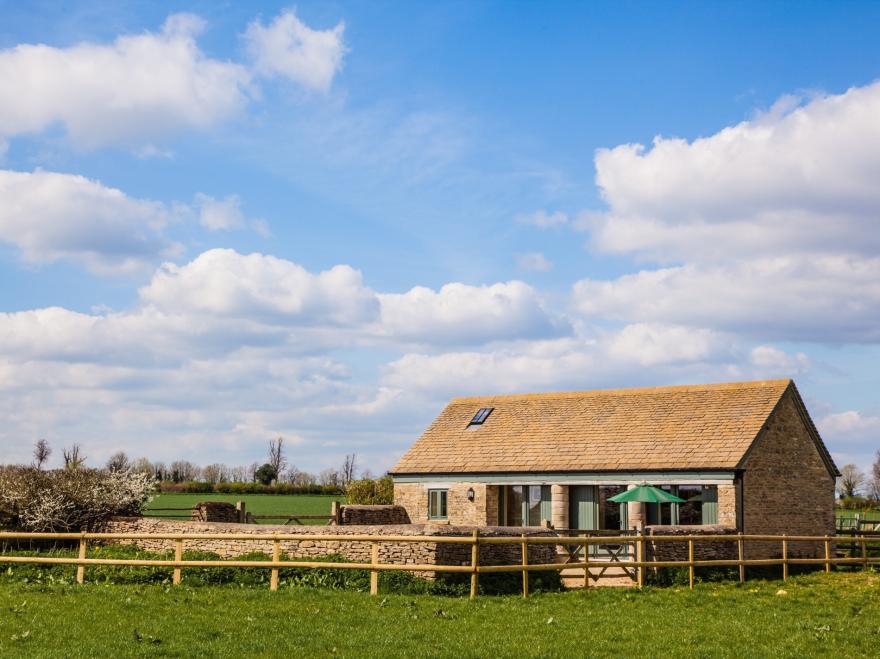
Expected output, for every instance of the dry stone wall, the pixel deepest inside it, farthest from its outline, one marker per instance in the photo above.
(398, 553)
(678, 551)
(215, 511)
(352, 515)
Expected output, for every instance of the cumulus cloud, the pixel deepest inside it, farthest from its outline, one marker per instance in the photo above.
(459, 313)
(289, 48)
(851, 425)
(779, 298)
(799, 177)
(50, 216)
(534, 262)
(770, 225)
(136, 89)
(225, 283)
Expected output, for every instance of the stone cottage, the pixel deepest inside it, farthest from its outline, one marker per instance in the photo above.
(743, 455)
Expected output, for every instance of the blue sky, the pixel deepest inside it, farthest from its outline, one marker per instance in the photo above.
(225, 222)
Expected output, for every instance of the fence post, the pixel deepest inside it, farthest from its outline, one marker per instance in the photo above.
(475, 561)
(784, 557)
(640, 557)
(81, 570)
(586, 563)
(739, 550)
(691, 563)
(864, 553)
(276, 556)
(178, 556)
(242, 512)
(525, 562)
(374, 574)
(827, 554)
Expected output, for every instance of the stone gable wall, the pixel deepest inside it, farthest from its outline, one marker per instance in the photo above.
(400, 553)
(786, 486)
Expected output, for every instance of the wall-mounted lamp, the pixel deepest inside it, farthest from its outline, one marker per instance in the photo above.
(471, 494)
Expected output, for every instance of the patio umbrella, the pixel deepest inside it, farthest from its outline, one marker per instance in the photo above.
(645, 493)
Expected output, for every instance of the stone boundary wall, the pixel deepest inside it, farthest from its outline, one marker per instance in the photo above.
(352, 515)
(678, 551)
(399, 553)
(215, 511)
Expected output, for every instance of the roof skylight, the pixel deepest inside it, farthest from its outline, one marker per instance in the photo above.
(481, 415)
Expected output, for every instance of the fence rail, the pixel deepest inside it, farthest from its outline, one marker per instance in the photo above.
(475, 541)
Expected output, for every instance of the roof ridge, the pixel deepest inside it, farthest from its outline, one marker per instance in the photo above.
(628, 391)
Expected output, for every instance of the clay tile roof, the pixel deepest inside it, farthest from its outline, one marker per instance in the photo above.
(707, 426)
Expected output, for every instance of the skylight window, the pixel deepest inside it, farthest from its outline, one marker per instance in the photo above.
(481, 415)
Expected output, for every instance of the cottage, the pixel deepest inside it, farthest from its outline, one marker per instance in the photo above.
(743, 455)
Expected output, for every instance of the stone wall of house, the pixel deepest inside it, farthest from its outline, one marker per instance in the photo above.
(215, 511)
(786, 486)
(678, 551)
(353, 515)
(399, 553)
(482, 511)
(727, 504)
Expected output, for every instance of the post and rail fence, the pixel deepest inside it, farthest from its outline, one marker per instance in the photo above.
(474, 568)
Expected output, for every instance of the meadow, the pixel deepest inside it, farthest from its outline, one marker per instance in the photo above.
(831, 615)
(258, 504)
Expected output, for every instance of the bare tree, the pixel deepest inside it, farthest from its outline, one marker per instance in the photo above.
(42, 451)
(143, 466)
(73, 457)
(183, 470)
(215, 473)
(252, 472)
(851, 481)
(329, 477)
(875, 478)
(303, 478)
(118, 462)
(276, 455)
(349, 468)
(238, 474)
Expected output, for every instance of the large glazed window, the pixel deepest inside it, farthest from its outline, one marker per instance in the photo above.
(526, 505)
(437, 504)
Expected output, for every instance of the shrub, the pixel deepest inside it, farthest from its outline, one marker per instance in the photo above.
(371, 492)
(70, 499)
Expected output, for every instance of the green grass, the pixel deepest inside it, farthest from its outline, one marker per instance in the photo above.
(836, 615)
(864, 514)
(258, 504)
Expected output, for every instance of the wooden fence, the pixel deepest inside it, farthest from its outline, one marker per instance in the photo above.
(475, 569)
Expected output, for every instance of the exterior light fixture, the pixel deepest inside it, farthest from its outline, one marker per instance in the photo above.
(471, 494)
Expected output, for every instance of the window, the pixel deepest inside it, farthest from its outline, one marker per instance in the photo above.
(691, 511)
(481, 415)
(525, 505)
(437, 504)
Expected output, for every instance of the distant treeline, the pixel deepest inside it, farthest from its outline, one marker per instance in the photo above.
(203, 487)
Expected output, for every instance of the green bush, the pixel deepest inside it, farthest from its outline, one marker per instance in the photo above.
(370, 492)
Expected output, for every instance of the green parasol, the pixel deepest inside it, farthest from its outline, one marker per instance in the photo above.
(646, 494)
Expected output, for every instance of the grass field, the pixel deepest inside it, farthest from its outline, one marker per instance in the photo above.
(836, 615)
(258, 504)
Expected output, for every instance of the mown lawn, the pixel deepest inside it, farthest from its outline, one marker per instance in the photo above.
(258, 504)
(835, 615)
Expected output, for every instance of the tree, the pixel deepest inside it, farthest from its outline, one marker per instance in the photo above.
(875, 478)
(215, 473)
(266, 474)
(42, 451)
(183, 470)
(118, 462)
(73, 457)
(329, 477)
(276, 455)
(349, 467)
(851, 481)
(143, 466)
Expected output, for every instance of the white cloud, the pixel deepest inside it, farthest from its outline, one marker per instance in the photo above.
(51, 216)
(289, 48)
(824, 298)
(651, 344)
(544, 220)
(220, 214)
(852, 426)
(134, 90)
(799, 178)
(534, 262)
(225, 283)
(460, 314)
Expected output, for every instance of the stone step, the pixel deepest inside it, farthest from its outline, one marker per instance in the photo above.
(615, 577)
